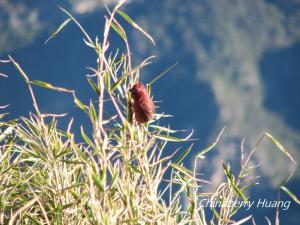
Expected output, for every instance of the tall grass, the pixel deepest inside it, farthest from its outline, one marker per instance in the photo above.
(118, 175)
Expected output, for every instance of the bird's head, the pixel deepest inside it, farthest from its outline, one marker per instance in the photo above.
(137, 89)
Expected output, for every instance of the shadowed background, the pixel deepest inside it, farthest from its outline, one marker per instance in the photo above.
(238, 65)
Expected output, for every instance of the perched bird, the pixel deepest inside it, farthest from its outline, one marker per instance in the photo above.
(143, 107)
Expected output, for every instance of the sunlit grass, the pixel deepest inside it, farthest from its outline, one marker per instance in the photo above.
(118, 175)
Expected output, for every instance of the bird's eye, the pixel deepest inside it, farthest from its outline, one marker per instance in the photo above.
(132, 90)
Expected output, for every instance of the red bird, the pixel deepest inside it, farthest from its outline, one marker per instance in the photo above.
(143, 107)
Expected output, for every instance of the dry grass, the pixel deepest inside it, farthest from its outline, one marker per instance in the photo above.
(117, 175)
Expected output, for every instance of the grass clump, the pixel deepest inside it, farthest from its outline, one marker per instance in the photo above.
(118, 174)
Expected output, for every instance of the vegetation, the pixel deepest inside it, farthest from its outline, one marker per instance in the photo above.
(118, 174)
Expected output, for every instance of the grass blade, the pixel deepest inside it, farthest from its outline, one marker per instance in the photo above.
(62, 25)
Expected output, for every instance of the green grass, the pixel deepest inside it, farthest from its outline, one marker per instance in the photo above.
(118, 174)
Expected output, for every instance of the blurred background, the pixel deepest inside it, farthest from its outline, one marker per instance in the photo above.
(238, 65)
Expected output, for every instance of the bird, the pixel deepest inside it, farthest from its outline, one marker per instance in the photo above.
(142, 106)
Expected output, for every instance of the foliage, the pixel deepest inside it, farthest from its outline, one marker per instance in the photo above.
(118, 175)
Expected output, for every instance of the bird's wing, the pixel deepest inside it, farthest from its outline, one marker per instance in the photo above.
(147, 106)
